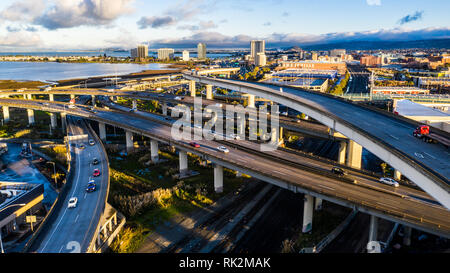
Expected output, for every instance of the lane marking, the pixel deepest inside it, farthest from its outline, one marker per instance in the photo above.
(418, 155)
(76, 218)
(429, 155)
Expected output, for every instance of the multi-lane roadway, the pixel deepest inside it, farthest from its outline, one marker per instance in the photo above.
(74, 228)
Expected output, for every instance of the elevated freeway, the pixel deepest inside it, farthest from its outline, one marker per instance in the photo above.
(387, 136)
(382, 202)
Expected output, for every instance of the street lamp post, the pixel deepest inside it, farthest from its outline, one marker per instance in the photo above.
(54, 172)
(1, 243)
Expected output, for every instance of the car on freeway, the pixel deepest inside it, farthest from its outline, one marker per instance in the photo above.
(177, 98)
(91, 142)
(296, 120)
(338, 171)
(96, 173)
(389, 181)
(194, 144)
(72, 202)
(71, 106)
(82, 146)
(223, 149)
(95, 161)
(91, 186)
(234, 136)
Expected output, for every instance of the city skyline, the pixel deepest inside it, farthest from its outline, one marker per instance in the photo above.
(64, 25)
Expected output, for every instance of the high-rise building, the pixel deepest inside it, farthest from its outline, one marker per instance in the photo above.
(314, 56)
(201, 51)
(165, 53)
(142, 51)
(257, 46)
(185, 55)
(134, 53)
(261, 59)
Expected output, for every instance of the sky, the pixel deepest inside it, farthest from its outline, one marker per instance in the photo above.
(38, 25)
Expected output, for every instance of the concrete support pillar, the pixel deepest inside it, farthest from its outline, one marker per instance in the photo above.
(30, 96)
(192, 88)
(63, 122)
(102, 130)
(135, 105)
(164, 108)
(183, 161)
(354, 154)
(308, 207)
(218, 178)
(53, 121)
(154, 150)
(397, 175)
(30, 116)
(129, 141)
(72, 96)
(51, 97)
(318, 204)
(373, 229)
(406, 236)
(209, 93)
(251, 101)
(5, 113)
(342, 152)
(280, 136)
(93, 100)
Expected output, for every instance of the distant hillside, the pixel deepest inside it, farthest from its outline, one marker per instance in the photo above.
(373, 45)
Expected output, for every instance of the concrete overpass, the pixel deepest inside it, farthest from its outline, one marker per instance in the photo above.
(388, 137)
(319, 184)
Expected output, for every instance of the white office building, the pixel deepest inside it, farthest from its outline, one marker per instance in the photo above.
(201, 51)
(165, 53)
(185, 55)
(261, 59)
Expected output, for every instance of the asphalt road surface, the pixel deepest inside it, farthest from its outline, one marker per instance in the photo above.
(74, 228)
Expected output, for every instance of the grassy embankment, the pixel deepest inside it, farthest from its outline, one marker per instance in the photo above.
(149, 195)
(10, 84)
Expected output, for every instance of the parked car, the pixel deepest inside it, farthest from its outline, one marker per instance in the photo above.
(96, 173)
(223, 149)
(91, 142)
(72, 202)
(389, 181)
(194, 144)
(338, 171)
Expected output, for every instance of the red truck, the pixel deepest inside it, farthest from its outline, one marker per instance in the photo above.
(423, 132)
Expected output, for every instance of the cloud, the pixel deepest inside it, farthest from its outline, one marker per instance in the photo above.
(411, 17)
(216, 39)
(373, 2)
(25, 10)
(156, 22)
(285, 14)
(20, 39)
(66, 13)
(267, 24)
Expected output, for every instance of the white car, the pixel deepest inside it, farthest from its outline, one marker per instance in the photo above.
(72, 202)
(223, 149)
(91, 142)
(389, 181)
